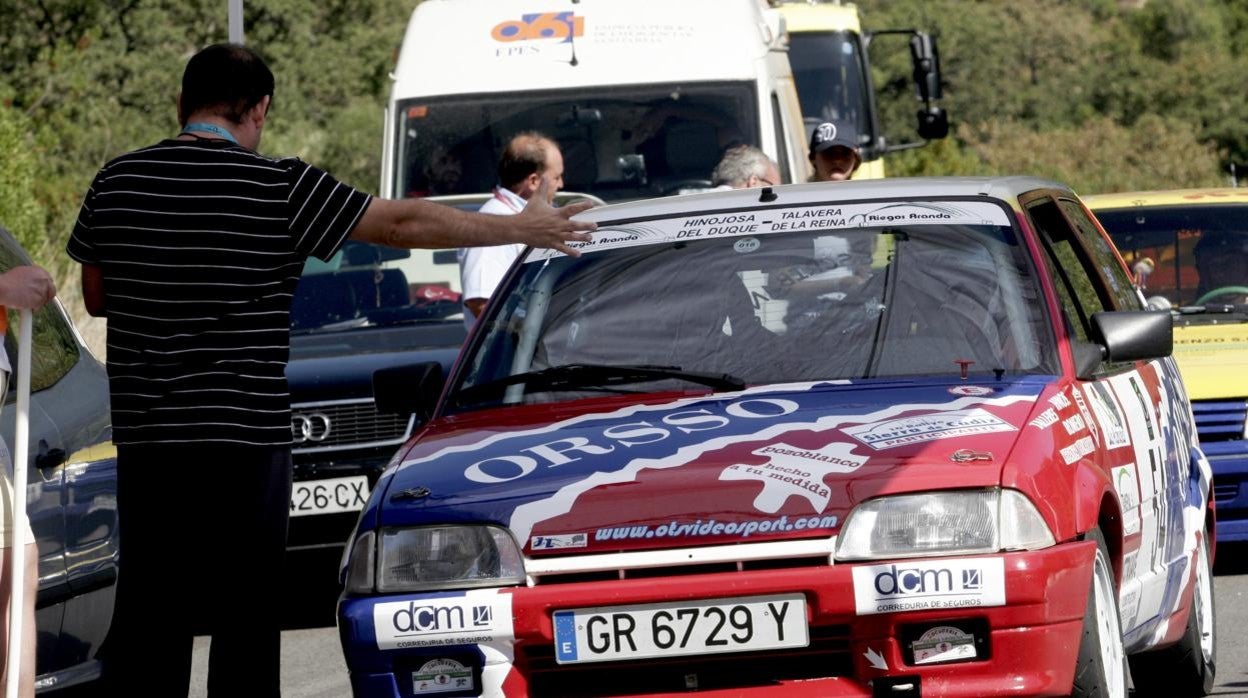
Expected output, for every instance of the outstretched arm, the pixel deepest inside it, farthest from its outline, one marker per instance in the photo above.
(419, 223)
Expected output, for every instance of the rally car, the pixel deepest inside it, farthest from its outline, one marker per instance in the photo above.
(904, 438)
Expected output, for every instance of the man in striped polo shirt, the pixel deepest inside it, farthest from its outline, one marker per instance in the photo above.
(192, 249)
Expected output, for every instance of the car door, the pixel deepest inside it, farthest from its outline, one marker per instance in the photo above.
(72, 388)
(1131, 407)
(44, 486)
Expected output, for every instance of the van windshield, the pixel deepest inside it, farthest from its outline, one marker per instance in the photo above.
(624, 142)
(1190, 255)
(829, 71)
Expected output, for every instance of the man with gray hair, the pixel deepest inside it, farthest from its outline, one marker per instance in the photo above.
(743, 167)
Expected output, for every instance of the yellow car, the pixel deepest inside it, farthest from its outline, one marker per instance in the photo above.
(1188, 250)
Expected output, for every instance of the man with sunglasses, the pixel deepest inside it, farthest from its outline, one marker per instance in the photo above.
(744, 167)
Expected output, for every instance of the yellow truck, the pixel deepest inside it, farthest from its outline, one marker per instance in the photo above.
(1188, 250)
(829, 53)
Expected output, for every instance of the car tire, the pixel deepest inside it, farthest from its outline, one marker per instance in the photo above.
(1188, 667)
(1101, 669)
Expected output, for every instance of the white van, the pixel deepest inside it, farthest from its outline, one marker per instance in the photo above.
(643, 96)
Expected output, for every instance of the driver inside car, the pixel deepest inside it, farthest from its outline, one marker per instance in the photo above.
(1222, 263)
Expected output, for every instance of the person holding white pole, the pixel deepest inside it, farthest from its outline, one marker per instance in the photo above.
(25, 287)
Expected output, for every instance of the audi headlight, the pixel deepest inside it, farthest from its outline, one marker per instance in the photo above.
(942, 523)
(437, 557)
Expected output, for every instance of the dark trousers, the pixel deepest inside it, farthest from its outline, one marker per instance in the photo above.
(203, 536)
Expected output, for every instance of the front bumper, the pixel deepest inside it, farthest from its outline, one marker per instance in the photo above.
(1029, 645)
(1229, 461)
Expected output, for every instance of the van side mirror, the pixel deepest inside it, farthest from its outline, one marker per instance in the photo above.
(414, 388)
(1134, 335)
(933, 121)
(925, 59)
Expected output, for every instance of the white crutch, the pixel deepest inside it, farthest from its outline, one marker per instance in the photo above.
(21, 445)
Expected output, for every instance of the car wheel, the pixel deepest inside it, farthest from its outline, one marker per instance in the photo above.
(1101, 669)
(1188, 667)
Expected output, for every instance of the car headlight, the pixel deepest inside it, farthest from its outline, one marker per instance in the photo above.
(434, 557)
(942, 523)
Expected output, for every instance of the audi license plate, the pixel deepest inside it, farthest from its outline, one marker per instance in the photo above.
(710, 626)
(329, 496)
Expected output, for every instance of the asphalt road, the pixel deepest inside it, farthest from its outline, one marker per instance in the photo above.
(312, 664)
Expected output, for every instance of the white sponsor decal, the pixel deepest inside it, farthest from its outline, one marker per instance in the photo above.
(1074, 424)
(928, 427)
(1128, 489)
(943, 643)
(526, 461)
(1060, 401)
(442, 676)
(1110, 417)
(808, 217)
(1045, 419)
(793, 471)
(1129, 565)
(923, 585)
(1087, 415)
(561, 502)
(448, 620)
(1078, 450)
(971, 390)
(746, 245)
(567, 540)
(1130, 607)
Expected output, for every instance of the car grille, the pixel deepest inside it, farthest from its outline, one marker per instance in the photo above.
(828, 655)
(344, 424)
(1223, 494)
(745, 557)
(1220, 420)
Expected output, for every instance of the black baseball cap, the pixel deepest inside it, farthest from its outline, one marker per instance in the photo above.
(828, 134)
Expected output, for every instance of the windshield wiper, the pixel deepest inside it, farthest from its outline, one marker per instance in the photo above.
(573, 376)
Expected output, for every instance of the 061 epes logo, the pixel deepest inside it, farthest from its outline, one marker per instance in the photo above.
(921, 585)
(543, 25)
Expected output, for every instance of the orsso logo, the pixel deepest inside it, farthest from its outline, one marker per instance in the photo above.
(545, 25)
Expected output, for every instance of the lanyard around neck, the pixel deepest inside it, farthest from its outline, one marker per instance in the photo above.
(211, 128)
(507, 201)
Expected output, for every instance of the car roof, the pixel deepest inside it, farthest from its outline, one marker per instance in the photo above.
(1006, 189)
(1170, 197)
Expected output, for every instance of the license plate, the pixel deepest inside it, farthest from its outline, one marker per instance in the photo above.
(711, 626)
(329, 496)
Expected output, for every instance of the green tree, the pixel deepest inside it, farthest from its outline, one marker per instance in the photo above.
(18, 210)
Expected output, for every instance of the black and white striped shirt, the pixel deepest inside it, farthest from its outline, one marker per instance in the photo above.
(201, 244)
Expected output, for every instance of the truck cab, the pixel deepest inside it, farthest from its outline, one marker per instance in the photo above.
(829, 54)
(642, 97)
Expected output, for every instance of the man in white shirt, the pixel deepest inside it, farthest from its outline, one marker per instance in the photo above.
(529, 159)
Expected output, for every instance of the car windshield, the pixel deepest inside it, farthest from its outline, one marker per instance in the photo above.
(829, 72)
(1189, 255)
(366, 285)
(617, 143)
(805, 293)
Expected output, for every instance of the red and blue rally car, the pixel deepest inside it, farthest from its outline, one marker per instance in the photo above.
(905, 438)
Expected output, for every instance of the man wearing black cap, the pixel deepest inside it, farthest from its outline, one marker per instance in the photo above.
(834, 152)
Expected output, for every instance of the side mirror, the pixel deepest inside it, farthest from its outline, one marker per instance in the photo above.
(925, 59)
(1134, 335)
(933, 123)
(409, 389)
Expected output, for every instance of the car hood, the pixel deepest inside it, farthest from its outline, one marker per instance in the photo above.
(769, 462)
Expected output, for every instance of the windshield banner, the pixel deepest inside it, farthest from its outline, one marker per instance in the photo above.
(811, 217)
